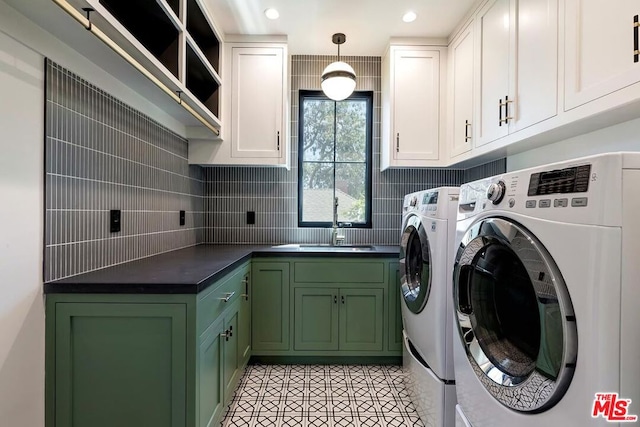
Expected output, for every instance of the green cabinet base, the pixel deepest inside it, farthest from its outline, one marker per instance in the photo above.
(326, 360)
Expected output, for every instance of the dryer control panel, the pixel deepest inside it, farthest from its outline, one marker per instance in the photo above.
(560, 181)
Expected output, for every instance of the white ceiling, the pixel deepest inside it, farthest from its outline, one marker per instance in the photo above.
(368, 24)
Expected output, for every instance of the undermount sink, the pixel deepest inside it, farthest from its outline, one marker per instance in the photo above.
(326, 247)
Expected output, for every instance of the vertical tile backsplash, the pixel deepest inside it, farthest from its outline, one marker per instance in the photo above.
(272, 193)
(101, 154)
(488, 169)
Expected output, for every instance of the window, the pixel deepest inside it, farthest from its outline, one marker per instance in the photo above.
(334, 159)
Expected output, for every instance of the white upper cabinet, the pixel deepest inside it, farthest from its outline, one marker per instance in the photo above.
(461, 89)
(494, 24)
(255, 107)
(411, 86)
(258, 102)
(601, 45)
(536, 75)
(517, 63)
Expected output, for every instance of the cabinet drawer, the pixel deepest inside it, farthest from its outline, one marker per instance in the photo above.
(216, 301)
(339, 272)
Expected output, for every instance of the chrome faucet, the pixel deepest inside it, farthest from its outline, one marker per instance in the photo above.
(336, 239)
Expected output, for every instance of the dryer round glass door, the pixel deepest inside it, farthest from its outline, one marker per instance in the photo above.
(514, 315)
(415, 264)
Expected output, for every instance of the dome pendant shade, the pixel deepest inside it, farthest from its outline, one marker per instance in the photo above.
(338, 79)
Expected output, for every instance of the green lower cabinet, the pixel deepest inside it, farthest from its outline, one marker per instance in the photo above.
(106, 363)
(270, 306)
(361, 319)
(244, 322)
(230, 359)
(210, 376)
(316, 319)
(395, 310)
(338, 319)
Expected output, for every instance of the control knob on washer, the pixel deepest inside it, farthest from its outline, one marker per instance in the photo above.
(496, 191)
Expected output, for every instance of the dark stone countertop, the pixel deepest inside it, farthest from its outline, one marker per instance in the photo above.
(191, 270)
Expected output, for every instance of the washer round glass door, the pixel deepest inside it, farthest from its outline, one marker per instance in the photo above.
(514, 315)
(415, 264)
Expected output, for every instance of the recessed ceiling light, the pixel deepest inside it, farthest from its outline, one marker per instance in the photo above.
(409, 17)
(271, 13)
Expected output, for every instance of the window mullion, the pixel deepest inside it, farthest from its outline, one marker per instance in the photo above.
(335, 142)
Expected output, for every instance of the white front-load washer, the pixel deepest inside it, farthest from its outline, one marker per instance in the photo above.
(546, 291)
(426, 259)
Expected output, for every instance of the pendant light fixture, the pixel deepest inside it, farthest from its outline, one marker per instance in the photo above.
(338, 79)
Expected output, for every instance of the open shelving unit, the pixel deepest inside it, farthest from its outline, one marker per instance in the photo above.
(200, 81)
(176, 41)
(149, 23)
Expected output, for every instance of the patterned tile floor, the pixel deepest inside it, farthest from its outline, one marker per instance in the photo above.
(322, 395)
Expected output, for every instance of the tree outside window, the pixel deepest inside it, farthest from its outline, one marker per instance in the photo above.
(334, 159)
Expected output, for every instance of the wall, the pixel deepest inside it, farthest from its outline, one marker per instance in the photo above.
(272, 193)
(21, 190)
(621, 137)
(100, 155)
(23, 46)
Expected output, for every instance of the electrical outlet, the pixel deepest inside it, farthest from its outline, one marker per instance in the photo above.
(251, 217)
(182, 218)
(114, 220)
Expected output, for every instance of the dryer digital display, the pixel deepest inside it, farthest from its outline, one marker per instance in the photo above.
(430, 198)
(569, 180)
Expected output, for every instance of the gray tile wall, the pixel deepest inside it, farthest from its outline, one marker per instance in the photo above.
(488, 169)
(272, 193)
(101, 154)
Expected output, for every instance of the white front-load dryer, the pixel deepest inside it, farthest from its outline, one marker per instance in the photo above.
(426, 258)
(546, 288)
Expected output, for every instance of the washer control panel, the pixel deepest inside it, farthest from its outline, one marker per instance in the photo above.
(496, 191)
(560, 181)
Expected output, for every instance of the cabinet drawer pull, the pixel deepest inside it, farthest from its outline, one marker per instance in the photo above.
(342, 297)
(335, 299)
(246, 289)
(500, 112)
(506, 111)
(467, 125)
(278, 140)
(227, 297)
(636, 46)
(398, 142)
(225, 335)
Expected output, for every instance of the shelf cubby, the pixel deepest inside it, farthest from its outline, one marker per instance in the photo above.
(201, 83)
(151, 26)
(200, 29)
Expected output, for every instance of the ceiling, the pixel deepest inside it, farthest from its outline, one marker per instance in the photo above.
(368, 24)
